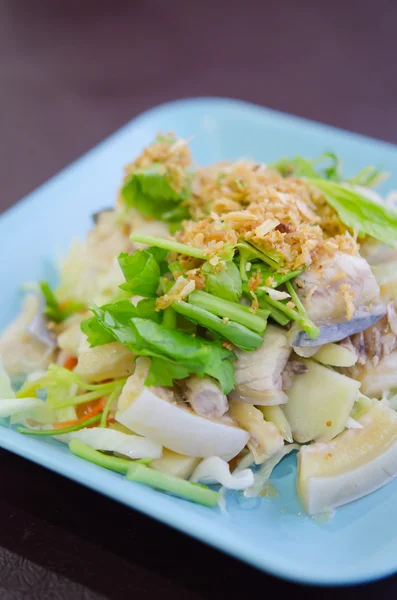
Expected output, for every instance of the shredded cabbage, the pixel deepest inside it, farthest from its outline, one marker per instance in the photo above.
(110, 440)
(262, 476)
(215, 470)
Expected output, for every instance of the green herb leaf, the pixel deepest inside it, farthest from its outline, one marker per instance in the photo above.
(278, 278)
(53, 309)
(331, 170)
(142, 272)
(225, 284)
(150, 191)
(144, 337)
(163, 371)
(96, 334)
(358, 211)
(248, 253)
(298, 167)
(146, 309)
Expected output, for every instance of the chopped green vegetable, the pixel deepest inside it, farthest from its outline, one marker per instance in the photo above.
(176, 267)
(146, 309)
(305, 167)
(249, 253)
(169, 245)
(331, 170)
(53, 309)
(295, 315)
(359, 212)
(163, 372)
(57, 380)
(102, 390)
(142, 273)
(168, 483)
(147, 338)
(237, 334)
(169, 318)
(276, 314)
(298, 167)
(334, 170)
(150, 191)
(60, 431)
(160, 254)
(223, 308)
(96, 334)
(277, 278)
(225, 284)
(62, 388)
(121, 465)
(112, 397)
(369, 177)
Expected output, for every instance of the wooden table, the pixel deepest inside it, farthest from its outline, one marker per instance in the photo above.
(70, 74)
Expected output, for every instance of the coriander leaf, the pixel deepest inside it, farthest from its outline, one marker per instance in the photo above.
(147, 338)
(96, 334)
(53, 310)
(95, 327)
(163, 372)
(359, 212)
(160, 255)
(142, 272)
(151, 192)
(146, 309)
(222, 371)
(226, 284)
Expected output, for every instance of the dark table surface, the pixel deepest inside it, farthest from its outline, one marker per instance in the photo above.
(71, 72)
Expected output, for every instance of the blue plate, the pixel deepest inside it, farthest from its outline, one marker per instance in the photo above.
(273, 534)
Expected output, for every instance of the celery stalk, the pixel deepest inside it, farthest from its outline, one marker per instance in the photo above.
(173, 485)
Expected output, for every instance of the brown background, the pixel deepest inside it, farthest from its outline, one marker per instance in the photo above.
(70, 73)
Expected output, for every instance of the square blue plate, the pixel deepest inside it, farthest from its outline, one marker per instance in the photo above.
(360, 543)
